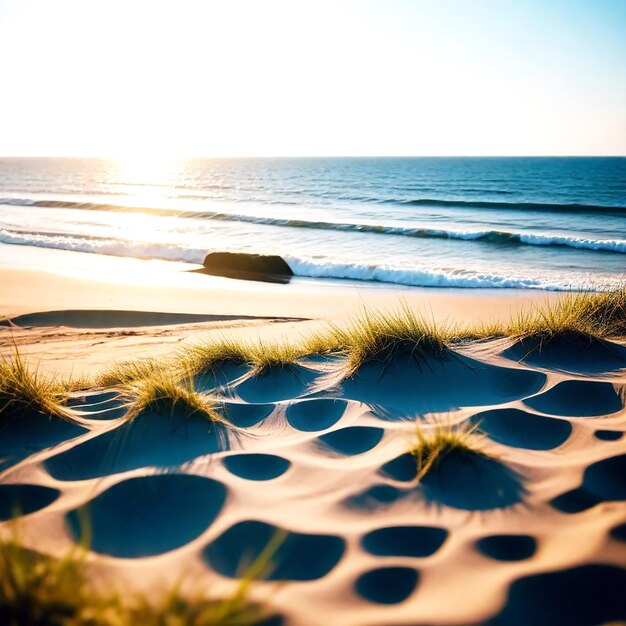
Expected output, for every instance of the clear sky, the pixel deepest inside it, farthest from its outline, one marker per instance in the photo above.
(298, 77)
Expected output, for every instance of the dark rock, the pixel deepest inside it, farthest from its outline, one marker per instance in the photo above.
(269, 268)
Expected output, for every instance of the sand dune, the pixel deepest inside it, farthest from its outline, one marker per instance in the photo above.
(84, 318)
(530, 532)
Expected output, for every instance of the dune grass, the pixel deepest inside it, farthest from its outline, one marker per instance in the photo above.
(259, 356)
(601, 315)
(129, 372)
(178, 610)
(274, 356)
(37, 590)
(434, 445)
(24, 389)
(370, 337)
(211, 355)
(382, 337)
(166, 394)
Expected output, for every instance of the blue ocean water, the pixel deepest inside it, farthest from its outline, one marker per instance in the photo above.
(541, 223)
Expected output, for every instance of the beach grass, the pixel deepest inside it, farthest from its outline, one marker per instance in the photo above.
(433, 445)
(129, 372)
(375, 336)
(259, 356)
(383, 337)
(266, 356)
(211, 355)
(372, 336)
(38, 590)
(177, 609)
(24, 389)
(166, 394)
(601, 315)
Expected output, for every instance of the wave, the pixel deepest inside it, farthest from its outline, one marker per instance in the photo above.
(571, 207)
(415, 277)
(87, 206)
(490, 236)
(307, 267)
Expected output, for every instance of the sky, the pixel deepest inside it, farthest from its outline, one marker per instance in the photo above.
(152, 79)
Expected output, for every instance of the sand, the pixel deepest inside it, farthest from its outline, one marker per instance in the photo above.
(131, 308)
(531, 532)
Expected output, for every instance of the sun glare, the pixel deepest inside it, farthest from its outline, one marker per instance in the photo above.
(145, 168)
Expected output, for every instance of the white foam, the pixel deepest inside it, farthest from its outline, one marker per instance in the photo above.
(320, 267)
(418, 277)
(608, 245)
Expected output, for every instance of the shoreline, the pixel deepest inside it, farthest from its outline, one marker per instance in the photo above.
(107, 270)
(58, 284)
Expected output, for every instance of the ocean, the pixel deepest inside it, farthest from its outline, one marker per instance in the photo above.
(538, 223)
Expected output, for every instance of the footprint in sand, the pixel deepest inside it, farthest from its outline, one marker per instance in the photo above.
(402, 468)
(256, 466)
(471, 482)
(22, 437)
(276, 384)
(316, 414)
(581, 596)
(139, 443)
(387, 585)
(507, 547)
(407, 387)
(17, 500)
(244, 415)
(604, 481)
(608, 435)
(521, 429)
(578, 398)
(575, 353)
(299, 556)
(102, 405)
(352, 440)
(149, 515)
(409, 541)
(619, 532)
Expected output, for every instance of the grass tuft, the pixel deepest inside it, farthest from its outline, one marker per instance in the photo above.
(129, 372)
(24, 389)
(260, 356)
(382, 337)
(274, 356)
(178, 610)
(167, 395)
(434, 445)
(37, 590)
(333, 341)
(601, 315)
(210, 356)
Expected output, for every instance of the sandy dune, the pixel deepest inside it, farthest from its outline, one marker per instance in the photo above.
(532, 534)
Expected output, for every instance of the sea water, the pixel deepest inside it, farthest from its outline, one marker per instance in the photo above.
(540, 223)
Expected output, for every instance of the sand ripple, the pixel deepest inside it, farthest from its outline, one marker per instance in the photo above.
(531, 532)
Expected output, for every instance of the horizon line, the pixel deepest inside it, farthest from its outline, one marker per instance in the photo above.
(318, 156)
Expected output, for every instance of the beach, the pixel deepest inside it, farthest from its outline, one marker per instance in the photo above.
(313, 313)
(318, 449)
(48, 282)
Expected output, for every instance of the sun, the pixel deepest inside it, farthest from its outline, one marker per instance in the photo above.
(145, 168)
